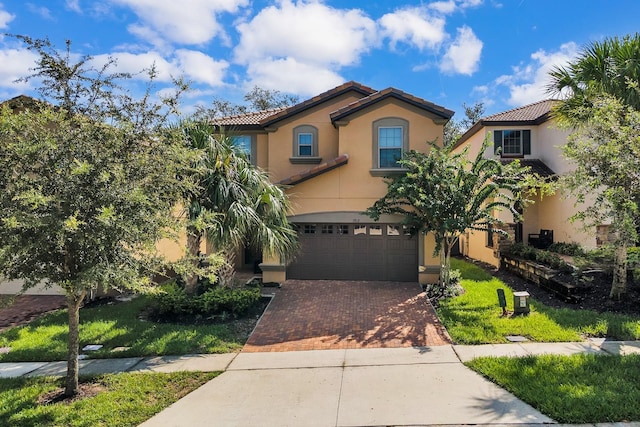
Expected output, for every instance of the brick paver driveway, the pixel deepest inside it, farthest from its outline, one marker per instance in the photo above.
(330, 314)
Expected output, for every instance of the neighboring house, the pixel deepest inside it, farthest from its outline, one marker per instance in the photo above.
(529, 134)
(333, 152)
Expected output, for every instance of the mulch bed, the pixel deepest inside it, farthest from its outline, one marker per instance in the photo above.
(22, 309)
(596, 298)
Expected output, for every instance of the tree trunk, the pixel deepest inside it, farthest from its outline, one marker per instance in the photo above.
(619, 285)
(227, 272)
(445, 263)
(194, 238)
(73, 307)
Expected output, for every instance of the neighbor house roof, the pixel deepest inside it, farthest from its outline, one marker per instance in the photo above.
(315, 171)
(394, 94)
(531, 114)
(22, 102)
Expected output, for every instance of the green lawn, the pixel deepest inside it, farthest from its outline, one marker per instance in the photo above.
(117, 325)
(571, 389)
(476, 318)
(126, 400)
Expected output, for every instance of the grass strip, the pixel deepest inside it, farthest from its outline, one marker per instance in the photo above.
(476, 318)
(583, 388)
(117, 325)
(127, 399)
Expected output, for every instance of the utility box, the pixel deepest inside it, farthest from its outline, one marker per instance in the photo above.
(521, 302)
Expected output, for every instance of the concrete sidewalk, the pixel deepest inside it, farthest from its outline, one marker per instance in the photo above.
(347, 387)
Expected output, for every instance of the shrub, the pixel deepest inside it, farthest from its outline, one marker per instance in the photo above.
(236, 302)
(566, 248)
(436, 291)
(550, 259)
(216, 300)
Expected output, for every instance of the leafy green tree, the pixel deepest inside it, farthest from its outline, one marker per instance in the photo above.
(454, 129)
(606, 72)
(86, 186)
(235, 203)
(606, 154)
(257, 99)
(446, 193)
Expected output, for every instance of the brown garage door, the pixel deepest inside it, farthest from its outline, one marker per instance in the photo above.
(355, 252)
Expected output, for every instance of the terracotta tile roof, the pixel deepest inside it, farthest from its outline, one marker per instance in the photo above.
(531, 114)
(253, 118)
(317, 170)
(391, 93)
(536, 112)
(535, 166)
(323, 97)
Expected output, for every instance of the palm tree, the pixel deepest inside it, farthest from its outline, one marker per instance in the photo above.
(235, 204)
(610, 67)
(604, 74)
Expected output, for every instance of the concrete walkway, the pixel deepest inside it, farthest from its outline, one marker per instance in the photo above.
(346, 387)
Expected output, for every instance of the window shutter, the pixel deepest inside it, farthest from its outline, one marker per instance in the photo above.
(526, 142)
(497, 141)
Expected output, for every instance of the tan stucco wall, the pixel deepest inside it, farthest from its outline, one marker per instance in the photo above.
(280, 145)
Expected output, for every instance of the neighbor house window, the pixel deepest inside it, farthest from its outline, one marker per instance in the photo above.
(246, 145)
(512, 142)
(390, 142)
(305, 145)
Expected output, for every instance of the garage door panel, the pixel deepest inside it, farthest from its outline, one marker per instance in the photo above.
(355, 252)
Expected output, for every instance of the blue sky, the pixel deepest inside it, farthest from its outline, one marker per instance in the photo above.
(449, 51)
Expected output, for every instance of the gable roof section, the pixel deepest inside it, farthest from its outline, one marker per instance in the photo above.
(317, 170)
(394, 94)
(318, 99)
(531, 114)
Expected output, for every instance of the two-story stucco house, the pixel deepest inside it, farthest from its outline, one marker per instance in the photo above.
(528, 133)
(332, 152)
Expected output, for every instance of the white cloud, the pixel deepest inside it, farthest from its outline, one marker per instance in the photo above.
(186, 21)
(445, 7)
(201, 68)
(16, 63)
(193, 65)
(310, 32)
(5, 17)
(40, 10)
(463, 55)
(413, 25)
(73, 5)
(528, 82)
(292, 76)
(300, 47)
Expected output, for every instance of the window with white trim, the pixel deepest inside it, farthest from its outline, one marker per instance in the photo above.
(305, 145)
(390, 142)
(512, 142)
(389, 146)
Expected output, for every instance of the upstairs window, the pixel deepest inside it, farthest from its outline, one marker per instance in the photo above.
(512, 143)
(390, 146)
(305, 145)
(245, 144)
(390, 142)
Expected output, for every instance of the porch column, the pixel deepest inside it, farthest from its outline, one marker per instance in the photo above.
(273, 270)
